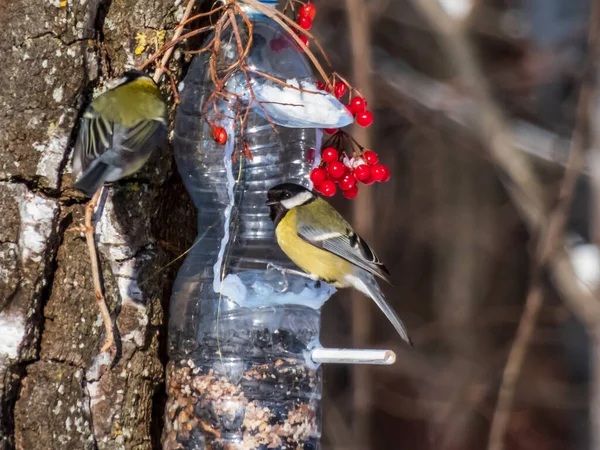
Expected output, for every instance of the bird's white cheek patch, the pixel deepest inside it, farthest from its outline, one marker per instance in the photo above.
(297, 200)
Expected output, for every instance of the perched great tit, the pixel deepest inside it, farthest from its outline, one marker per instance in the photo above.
(323, 244)
(119, 131)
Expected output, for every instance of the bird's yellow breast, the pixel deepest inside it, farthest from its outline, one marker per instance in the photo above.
(327, 266)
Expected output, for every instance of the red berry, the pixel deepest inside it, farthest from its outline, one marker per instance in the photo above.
(369, 181)
(347, 182)
(309, 10)
(219, 135)
(364, 119)
(329, 154)
(330, 130)
(327, 188)
(310, 155)
(370, 157)
(340, 89)
(318, 176)
(322, 86)
(358, 105)
(304, 40)
(386, 174)
(378, 172)
(336, 170)
(350, 193)
(304, 22)
(362, 172)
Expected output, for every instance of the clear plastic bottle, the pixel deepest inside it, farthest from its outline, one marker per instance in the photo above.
(239, 376)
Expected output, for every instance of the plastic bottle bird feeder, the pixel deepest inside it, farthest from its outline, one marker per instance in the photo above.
(243, 338)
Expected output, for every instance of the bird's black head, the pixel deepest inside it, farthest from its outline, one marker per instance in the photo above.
(285, 196)
(132, 75)
(129, 77)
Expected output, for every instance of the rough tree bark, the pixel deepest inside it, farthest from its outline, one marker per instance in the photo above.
(55, 390)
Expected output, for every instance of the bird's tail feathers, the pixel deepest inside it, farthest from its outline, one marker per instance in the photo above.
(366, 283)
(93, 178)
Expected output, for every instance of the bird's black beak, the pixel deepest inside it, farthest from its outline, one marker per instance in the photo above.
(271, 202)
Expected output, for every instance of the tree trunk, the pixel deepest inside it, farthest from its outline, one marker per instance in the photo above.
(56, 390)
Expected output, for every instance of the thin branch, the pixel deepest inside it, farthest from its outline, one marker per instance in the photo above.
(172, 44)
(165, 60)
(98, 291)
(198, 16)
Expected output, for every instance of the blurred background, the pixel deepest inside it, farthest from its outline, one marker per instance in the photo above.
(456, 245)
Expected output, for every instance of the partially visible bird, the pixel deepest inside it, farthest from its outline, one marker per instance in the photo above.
(119, 131)
(324, 245)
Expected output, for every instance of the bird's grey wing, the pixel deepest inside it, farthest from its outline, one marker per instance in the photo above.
(349, 246)
(139, 140)
(95, 138)
(132, 146)
(143, 133)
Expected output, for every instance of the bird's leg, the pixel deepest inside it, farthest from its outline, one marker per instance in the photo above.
(285, 272)
(89, 237)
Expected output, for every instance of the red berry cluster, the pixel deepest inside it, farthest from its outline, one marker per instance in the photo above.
(357, 105)
(337, 168)
(306, 15)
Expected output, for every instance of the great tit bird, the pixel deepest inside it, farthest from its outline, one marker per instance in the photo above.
(119, 131)
(324, 245)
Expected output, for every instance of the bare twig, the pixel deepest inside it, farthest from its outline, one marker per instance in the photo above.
(172, 44)
(98, 291)
(185, 21)
(165, 60)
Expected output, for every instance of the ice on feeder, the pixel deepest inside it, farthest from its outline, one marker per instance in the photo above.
(256, 288)
(300, 105)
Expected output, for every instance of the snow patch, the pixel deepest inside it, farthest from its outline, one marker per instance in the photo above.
(109, 235)
(457, 9)
(586, 264)
(52, 155)
(12, 333)
(256, 288)
(292, 108)
(37, 216)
